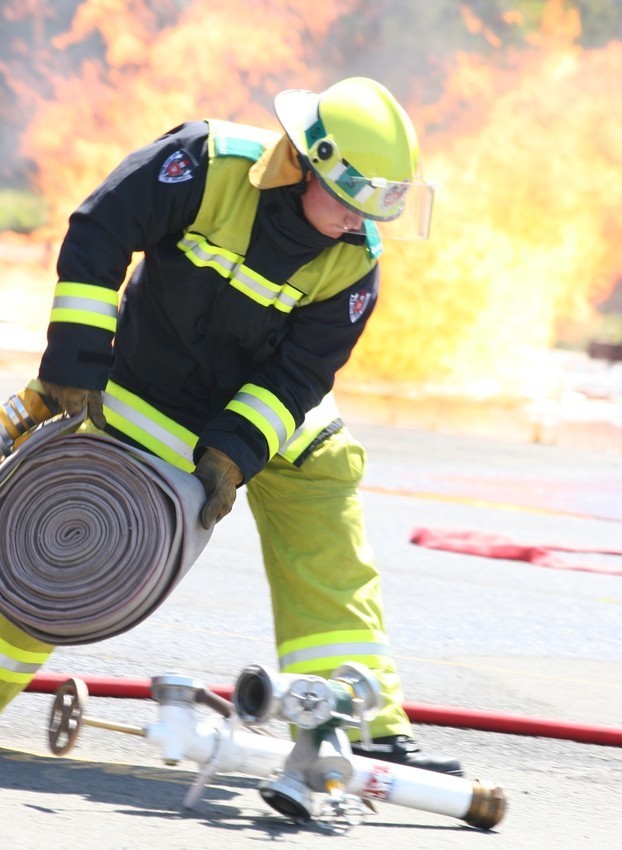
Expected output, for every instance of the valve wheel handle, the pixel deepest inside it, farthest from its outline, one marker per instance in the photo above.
(66, 715)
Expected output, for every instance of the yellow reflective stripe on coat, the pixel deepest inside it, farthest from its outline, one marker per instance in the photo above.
(266, 412)
(328, 650)
(315, 422)
(202, 253)
(148, 427)
(85, 304)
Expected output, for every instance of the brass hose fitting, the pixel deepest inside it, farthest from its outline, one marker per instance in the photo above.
(21, 412)
(488, 805)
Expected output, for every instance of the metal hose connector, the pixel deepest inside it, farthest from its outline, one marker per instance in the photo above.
(21, 412)
(488, 805)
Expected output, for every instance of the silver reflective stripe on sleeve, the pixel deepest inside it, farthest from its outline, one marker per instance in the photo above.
(147, 426)
(266, 412)
(85, 304)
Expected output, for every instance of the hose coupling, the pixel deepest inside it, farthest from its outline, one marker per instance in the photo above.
(488, 805)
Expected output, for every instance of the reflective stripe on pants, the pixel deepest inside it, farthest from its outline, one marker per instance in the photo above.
(326, 592)
(20, 658)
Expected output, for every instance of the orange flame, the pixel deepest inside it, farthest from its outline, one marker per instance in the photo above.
(226, 63)
(524, 149)
(527, 221)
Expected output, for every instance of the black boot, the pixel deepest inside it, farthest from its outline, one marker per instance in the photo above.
(400, 749)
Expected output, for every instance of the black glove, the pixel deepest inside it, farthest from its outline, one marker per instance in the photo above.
(73, 400)
(219, 476)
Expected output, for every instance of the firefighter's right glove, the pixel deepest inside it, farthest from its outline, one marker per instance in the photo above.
(73, 400)
(220, 477)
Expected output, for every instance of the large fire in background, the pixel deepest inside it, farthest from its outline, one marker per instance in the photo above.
(526, 230)
(525, 233)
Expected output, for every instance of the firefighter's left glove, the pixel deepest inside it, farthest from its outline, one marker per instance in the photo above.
(74, 400)
(220, 477)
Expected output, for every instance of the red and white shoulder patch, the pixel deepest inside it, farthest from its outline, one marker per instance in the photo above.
(358, 304)
(176, 168)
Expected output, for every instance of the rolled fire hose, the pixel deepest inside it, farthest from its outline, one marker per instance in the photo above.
(94, 534)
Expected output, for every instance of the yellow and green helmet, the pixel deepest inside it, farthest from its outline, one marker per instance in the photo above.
(359, 142)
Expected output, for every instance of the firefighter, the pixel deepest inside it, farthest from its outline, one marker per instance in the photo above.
(259, 274)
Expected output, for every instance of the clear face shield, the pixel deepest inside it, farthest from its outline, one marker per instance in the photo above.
(414, 220)
(407, 205)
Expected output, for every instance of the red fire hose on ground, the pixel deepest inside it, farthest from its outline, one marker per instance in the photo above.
(434, 715)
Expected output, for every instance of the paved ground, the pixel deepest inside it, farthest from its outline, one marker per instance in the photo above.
(492, 635)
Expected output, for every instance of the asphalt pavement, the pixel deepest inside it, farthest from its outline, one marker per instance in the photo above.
(499, 636)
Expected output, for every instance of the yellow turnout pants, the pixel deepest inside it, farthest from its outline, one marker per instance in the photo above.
(325, 589)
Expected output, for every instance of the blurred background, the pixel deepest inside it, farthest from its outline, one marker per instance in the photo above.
(508, 321)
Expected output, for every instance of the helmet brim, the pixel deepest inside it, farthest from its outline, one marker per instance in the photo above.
(297, 109)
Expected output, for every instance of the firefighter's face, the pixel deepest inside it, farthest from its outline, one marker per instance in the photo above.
(326, 213)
